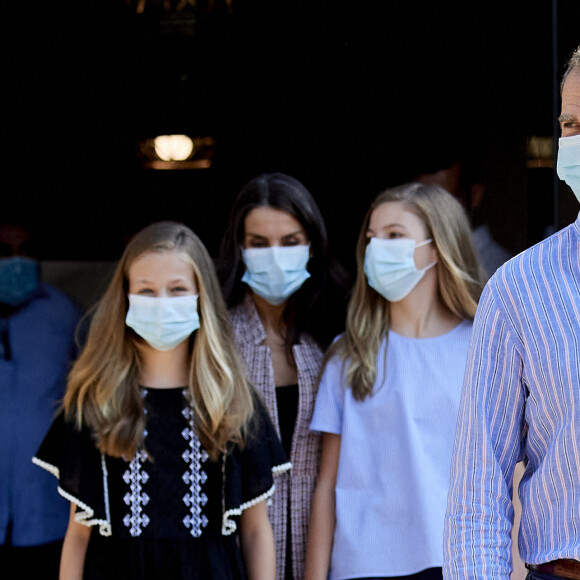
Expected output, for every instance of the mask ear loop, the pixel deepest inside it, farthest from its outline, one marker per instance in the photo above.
(429, 266)
(424, 243)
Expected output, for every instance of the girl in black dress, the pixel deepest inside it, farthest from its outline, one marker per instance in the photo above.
(162, 447)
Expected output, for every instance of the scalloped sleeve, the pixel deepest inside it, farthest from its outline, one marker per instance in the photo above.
(80, 469)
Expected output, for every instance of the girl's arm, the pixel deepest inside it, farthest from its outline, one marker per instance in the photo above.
(257, 542)
(323, 516)
(74, 548)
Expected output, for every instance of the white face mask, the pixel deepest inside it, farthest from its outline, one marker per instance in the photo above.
(275, 273)
(163, 322)
(568, 164)
(390, 267)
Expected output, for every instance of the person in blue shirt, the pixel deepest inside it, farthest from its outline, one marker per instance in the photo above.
(37, 343)
(521, 402)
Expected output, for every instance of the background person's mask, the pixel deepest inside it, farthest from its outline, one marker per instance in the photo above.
(18, 280)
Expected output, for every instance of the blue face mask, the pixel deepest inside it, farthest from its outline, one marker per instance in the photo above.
(568, 165)
(390, 267)
(275, 273)
(18, 280)
(163, 322)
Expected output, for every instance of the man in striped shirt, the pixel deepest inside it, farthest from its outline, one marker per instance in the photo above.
(521, 401)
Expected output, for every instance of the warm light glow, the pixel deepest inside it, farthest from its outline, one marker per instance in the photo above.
(540, 152)
(173, 147)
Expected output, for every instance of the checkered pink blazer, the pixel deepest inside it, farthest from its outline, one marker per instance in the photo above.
(296, 485)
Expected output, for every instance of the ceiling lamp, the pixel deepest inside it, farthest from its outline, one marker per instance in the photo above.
(177, 152)
(173, 147)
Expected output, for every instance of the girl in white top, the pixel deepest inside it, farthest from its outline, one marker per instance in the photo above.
(388, 415)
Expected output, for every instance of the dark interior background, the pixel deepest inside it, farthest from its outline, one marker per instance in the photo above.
(349, 97)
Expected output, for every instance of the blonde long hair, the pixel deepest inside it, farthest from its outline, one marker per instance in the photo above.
(460, 279)
(103, 389)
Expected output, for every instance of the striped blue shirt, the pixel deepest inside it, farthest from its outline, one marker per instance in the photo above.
(520, 400)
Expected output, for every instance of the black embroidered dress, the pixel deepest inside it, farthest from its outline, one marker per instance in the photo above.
(170, 512)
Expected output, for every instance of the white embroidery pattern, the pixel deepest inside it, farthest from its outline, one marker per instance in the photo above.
(135, 477)
(195, 477)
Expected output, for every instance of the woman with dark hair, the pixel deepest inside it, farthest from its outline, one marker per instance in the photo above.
(287, 297)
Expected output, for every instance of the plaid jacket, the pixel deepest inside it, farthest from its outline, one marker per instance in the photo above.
(296, 485)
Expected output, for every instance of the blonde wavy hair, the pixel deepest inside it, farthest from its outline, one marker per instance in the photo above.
(460, 279)
(103, 388)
